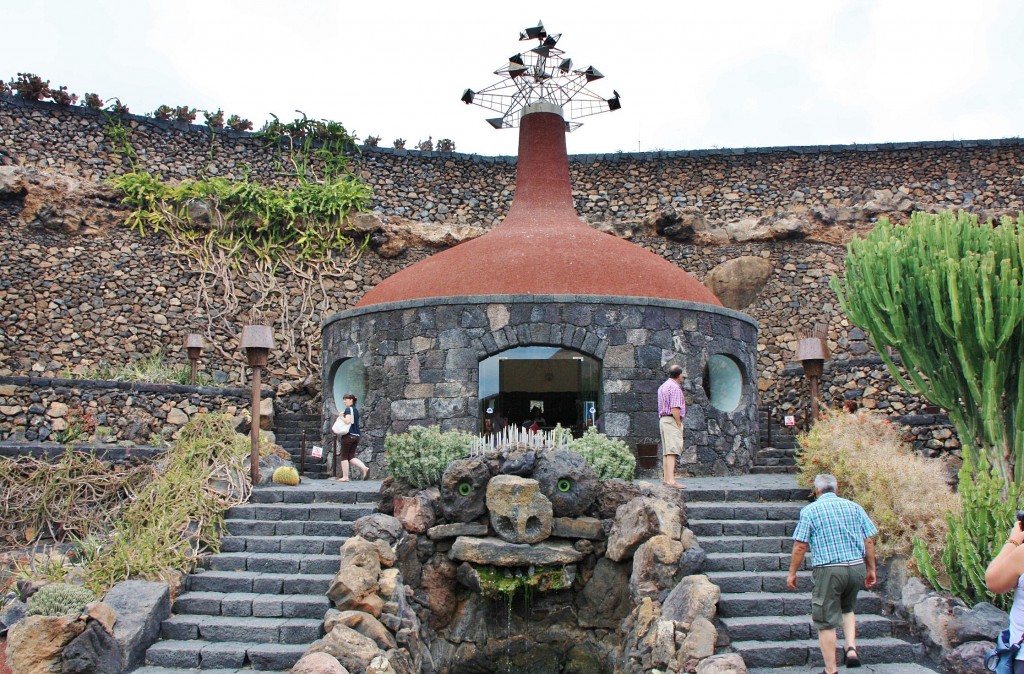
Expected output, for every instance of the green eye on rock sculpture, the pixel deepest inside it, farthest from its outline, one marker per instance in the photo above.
(944, 291)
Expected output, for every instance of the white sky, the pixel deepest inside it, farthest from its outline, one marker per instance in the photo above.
(692, 74)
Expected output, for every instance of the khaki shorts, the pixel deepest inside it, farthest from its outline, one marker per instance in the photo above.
(671, 436)
(835, 593)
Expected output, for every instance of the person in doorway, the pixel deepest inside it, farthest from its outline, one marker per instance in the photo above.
(350, 440)
(536, 420)
(1006, 573)
(840, 536)
(672, 411)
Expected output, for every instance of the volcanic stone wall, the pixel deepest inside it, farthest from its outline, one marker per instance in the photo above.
(68, 300)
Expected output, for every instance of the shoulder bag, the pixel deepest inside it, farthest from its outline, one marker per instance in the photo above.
(341, 427)
(1000, 659)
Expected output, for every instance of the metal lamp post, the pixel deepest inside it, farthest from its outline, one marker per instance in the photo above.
(194, 346)
(257, 340)
(812, 352)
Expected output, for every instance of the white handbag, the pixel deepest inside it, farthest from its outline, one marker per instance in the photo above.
(340, 426)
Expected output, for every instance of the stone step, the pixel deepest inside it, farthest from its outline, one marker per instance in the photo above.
(220, 670)
(769, 461)
(745, 512)
(774, 453)
(236, 629)
(285, 528)
(196, 654)
(308, 545)
(785, 628)
(272, 562)
(250, 604)
(747, 604)
(770, 581)
(737, 528)
(806, 652)
(751, 561)
(922, 667)
(301, 512)
(774, 470)
(698, 494)
(336, 492)
(735, 544)
(258, 583)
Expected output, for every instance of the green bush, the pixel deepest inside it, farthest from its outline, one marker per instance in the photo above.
(906, 495)
(419, 456)
(976, 533)
(609, 458)
(58, 599)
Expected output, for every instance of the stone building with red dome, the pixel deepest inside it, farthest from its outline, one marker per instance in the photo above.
(545, 319)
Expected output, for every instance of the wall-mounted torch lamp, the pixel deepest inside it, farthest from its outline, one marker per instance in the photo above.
(194, 347)
(257, 340)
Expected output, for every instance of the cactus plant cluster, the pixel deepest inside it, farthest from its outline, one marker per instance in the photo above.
(57, 599)
(286, 475)
(944, 291)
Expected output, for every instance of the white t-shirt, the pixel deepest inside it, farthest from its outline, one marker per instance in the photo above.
(1017, 615)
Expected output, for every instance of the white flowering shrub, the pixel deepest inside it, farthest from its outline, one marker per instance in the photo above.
(420, 456)
(609, 458)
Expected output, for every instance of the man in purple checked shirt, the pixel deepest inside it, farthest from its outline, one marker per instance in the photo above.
(671, 410)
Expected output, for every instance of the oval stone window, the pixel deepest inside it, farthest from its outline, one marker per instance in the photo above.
(349, 376)
(723, 382)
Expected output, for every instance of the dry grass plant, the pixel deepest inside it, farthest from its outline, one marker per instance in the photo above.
(73, 496)
(905, 494)
(160, 526)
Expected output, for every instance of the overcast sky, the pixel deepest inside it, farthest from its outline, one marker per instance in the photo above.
(692, 74)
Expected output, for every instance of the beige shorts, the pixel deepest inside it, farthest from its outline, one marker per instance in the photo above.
(671, 436)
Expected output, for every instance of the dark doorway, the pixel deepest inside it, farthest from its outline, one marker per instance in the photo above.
(540, 386)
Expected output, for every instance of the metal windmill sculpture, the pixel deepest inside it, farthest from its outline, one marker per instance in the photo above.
(543, 74)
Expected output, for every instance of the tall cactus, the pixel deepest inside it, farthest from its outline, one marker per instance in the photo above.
(945, 292)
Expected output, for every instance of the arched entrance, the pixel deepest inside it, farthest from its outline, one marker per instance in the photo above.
(545, 385)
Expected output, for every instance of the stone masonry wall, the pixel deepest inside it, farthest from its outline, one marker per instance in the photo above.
(68, 300)
(32, 409)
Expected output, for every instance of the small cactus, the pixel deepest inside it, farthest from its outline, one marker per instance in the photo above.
(286, 475)
(58, 599)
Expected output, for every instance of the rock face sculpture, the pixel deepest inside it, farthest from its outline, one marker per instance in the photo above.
(567, 480)
(464, 489)
(519, 512)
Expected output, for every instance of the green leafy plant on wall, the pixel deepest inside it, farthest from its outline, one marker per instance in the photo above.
(944, 292)
(420, 455)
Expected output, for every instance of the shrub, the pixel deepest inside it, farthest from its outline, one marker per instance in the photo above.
(60, 96)
(92, 101)
(239, 124)
(183, 113)
(905, 494)
(286, 475)
(399, 143)
(371, 141)
(57, 599)
(975, 536)
(214, 120)
(80, 423)
(419, 456)
(163, 112)
(117, 107)
(426, 145)
(609, 458)
(30, 87)
(446, 145)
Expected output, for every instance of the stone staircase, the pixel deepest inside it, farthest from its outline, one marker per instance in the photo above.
(744, 524)
(776, 452)
(258, 604)
(288, 429)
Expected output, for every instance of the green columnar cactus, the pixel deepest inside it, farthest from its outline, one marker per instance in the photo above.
(945, 293)
(58, 599)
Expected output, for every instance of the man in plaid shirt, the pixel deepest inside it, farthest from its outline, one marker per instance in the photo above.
(839, 535)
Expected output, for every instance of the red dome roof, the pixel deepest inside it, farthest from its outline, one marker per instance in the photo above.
(542, 247)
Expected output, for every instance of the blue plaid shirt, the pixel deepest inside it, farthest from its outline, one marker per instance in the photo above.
(835, 530)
